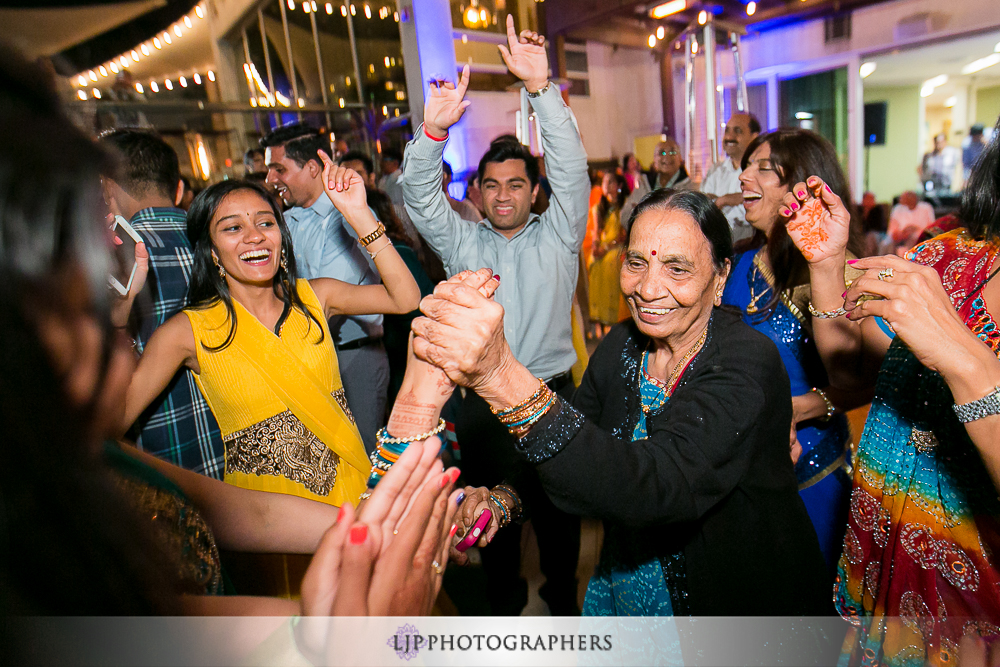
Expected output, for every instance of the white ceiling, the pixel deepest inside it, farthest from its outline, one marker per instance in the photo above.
(914, 66)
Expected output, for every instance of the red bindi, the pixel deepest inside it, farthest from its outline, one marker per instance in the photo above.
(653, 252)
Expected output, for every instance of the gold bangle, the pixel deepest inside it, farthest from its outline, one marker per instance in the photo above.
(368, 240)
(830, 410)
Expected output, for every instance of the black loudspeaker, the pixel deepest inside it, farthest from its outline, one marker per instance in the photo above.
(875, 115)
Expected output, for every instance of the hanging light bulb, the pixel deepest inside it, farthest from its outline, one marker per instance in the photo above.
(197, 78)
(167, 38)
(313, 3)
(135, 56)
(301, 102)
(385, 111)
(199, 11)
(103, 70)
(168, 85)
(183, 82)
(702, 17)
(138, 88)
(329, 8)
(386, 61)
(156, 43)
(751, 8)
(291, 5)
(96, 93)
(395, 17)
(93, 75)
(306, 7)
(660, 32)
(211, 75)
(177, 30)
(651, 41)
(82, 94)
(114, 67)
(124, 61)
(341, 101)
(343, 10)
(354, 11)
(144, 49)
(82, 80)
(187, 21)
(154, 87)
(368, 11)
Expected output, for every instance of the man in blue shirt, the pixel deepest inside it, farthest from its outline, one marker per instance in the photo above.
(538, 258)
(326, 247)
(145, 189)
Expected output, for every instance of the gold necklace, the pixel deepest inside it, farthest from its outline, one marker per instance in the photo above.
(754, 298)
(680, 366)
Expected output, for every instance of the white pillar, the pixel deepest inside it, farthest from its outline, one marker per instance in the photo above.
(855, 128)
(773, 108)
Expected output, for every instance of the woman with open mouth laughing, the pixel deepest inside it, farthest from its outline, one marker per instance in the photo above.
(258, 342)
(771, 286)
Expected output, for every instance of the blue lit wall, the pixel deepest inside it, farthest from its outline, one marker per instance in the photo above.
(436, 48)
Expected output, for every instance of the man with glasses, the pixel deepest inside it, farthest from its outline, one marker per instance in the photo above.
(668, 172)
(722, 182)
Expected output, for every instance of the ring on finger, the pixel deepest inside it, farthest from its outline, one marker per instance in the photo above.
(886, 274)
(438, 568)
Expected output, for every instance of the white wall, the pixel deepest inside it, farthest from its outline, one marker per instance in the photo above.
(624, 103)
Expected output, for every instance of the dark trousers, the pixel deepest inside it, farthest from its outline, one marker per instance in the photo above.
(489, 458)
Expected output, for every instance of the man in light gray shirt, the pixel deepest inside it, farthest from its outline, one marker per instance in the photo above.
(326, 247)
(537, 258)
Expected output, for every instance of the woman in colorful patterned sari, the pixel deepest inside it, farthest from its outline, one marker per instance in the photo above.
(918, 570)
(770, 285)
(258, 342)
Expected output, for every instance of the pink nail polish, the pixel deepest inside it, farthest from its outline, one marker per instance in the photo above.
(800, 194)
(828, 189)
(852, 261)
(843, 295)
(496, 276)
(445, 480)
(795, 206)
(454, 475)
(359, 534)
(454, 529)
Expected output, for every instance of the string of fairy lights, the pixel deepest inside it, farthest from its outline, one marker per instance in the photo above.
(88, 83)
(164, 40)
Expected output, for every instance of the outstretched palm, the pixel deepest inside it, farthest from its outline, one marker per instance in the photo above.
(445, 104)
(819, 224)
(525, 57)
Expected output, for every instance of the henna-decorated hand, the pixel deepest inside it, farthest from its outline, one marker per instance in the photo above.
(817, 221)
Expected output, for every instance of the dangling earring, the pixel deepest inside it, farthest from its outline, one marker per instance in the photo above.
(284, 261)
(222, 269)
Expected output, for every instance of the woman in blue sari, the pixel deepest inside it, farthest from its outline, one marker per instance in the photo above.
(770, 286)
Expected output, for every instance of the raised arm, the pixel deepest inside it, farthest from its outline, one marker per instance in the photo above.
(565, 157)
(170, 348)
(398, 292)
(819, 225)
(426, 203)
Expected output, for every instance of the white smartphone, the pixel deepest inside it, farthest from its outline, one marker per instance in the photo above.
(123, 256)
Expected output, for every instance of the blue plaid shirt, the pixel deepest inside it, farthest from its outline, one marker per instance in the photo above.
(178, 426)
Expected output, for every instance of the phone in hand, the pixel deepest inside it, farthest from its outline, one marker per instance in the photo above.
(123, 264)
(477, 529)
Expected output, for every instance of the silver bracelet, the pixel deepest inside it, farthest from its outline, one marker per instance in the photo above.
(541, 91)
(826, 314)
(830, 410)
(986, 406)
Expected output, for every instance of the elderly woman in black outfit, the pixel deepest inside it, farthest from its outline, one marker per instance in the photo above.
(677, 437)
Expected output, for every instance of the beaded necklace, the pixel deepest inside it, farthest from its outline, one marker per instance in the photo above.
(655, 392)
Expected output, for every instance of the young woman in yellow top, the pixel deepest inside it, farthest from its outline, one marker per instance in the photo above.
(258, 343)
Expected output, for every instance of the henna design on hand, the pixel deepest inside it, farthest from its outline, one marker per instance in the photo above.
(808, 223)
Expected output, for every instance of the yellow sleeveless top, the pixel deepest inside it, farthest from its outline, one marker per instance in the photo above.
(280, 403)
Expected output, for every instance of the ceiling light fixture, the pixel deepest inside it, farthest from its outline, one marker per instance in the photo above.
(668, 8)
(652, 41)
(982, 63)
(187, 21)
(660, 32)
(867, 69)
(199, 11)
(751, 8)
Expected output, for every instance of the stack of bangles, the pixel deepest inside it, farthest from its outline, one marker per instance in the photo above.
(507, 513)
(389, 450)
(520, 418)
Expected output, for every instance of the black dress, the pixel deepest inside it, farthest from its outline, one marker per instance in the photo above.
(711, 493)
